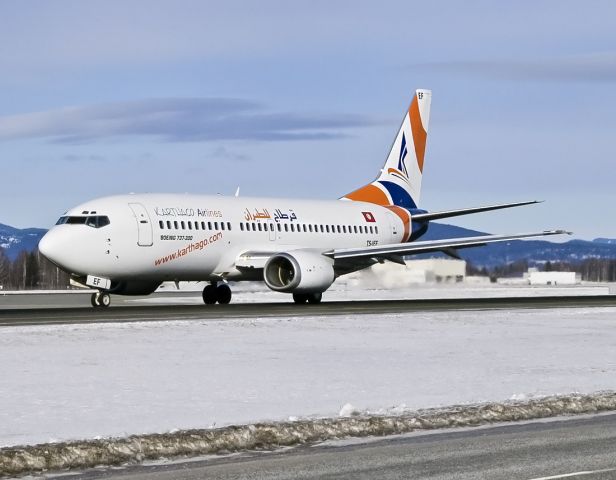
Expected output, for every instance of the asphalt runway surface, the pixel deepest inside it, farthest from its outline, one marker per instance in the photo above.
(577, 448)
(45, 309)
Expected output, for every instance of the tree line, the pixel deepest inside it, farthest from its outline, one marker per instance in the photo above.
(31, 271)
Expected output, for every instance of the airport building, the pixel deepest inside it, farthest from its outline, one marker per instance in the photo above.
(552, 278)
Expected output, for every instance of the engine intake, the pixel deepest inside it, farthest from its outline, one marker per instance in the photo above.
(300, 271)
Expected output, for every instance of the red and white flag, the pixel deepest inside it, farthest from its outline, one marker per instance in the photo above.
(369, 217)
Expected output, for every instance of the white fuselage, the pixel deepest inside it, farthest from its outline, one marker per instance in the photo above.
(178, 237)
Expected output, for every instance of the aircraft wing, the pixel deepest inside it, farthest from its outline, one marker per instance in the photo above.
(424, 217)
(394, 252)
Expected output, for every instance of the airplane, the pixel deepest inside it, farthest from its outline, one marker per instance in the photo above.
(130, 244)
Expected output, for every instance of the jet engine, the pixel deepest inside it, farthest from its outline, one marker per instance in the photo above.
(299, 271)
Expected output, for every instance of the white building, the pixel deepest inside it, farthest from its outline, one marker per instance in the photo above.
(553, 278)
(439, 269)
(391, 275)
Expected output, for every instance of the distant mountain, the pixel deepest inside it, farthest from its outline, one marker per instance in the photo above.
(536, 252)
(609, 241)
(15, 240)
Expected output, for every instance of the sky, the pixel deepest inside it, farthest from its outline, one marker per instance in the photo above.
(303, 99)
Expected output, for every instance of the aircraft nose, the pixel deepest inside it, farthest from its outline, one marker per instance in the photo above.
(50, 247)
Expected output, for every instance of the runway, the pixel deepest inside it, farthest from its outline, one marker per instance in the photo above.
(579, 448)
(48, 309)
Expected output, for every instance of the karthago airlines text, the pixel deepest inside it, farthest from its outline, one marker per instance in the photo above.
(191, 247)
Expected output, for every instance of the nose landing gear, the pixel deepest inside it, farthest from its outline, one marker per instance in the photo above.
(217, 293)
(100, 299)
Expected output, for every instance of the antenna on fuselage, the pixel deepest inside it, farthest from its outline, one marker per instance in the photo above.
(237, 192)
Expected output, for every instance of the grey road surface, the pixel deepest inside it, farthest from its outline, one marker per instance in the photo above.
(63, 309)
(580, 448)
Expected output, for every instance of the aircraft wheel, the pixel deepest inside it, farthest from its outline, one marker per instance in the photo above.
(223, 293)
(315, 298)
(94, 300)
(300, 298)
(104, 300)
(209, 295)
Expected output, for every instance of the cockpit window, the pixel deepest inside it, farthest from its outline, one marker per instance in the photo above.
(97, 221)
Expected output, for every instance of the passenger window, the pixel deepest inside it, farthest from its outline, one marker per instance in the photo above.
(327, 228)
(202, 225)
(292, 227)
(310, 228)
(286, 227)
(259, 226)
(183, 225)
(228, 225)
(279, 227)
(196, 225)
(161, 224)
(168, 225)
(241, 226)
(209, 225)
(376, 229)
(222, 225)
(189, 225)
(343, 228)
(175, 224)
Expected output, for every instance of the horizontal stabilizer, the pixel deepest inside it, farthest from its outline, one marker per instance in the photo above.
(414, 248)
(425, 217)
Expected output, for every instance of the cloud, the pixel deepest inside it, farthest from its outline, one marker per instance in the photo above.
(177, 120)
(596, 67)
(223, 153)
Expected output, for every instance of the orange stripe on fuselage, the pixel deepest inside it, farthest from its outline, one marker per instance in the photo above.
(406, 220)
(369, 193)
(419, 134)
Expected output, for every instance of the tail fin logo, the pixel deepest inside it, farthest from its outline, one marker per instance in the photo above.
(403, 153)
(401, 172)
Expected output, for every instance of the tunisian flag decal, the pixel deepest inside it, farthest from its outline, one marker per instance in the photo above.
(369, 217)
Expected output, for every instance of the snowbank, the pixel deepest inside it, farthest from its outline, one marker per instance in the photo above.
(136, 448)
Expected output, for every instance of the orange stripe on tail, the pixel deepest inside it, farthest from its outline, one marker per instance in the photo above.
(419, 134)
(369, 193)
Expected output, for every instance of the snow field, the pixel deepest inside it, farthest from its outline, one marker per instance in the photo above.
(87, 381)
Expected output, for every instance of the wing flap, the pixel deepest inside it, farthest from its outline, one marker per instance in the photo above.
(415, 248)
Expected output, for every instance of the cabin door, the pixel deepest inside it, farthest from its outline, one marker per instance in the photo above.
(145, 235)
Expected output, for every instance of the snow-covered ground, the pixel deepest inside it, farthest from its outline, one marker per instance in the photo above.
(342, 290)
(81, 381)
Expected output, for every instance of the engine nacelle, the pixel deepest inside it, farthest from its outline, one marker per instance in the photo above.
(299, 271)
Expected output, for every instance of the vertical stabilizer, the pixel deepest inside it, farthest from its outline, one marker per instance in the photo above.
(400, 180)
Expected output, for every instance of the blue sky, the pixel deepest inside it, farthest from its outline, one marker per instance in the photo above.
(303, 99)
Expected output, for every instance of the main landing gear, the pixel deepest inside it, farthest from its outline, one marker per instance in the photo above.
(217, 293)
(313, 298)
(100, 299)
